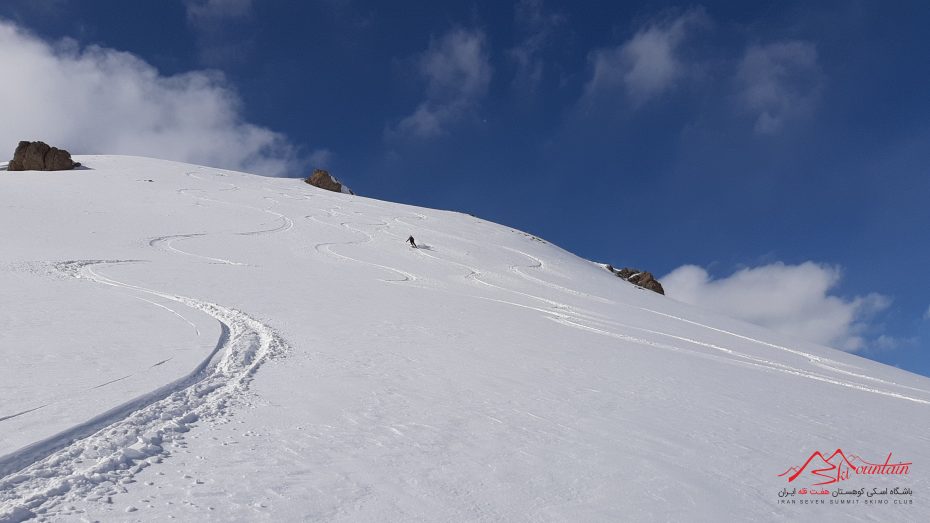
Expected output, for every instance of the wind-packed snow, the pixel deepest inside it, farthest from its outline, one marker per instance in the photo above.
(192, 343)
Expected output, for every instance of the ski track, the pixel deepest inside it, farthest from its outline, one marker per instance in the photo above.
(824, 363)
(474, 274)
(90, 461)
(813, 359)
(167, 241)
(405, 277)
(286, 225)
(570, 317)
(11, 416)
(419, 226)
(104, 384)
(579, 322)
(162, 362)
(172, 311)
(538, 264)
(73, 394)
(194, 175)
(819, 361)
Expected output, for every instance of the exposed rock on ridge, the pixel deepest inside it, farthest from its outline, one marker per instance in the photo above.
(324, 180)
(643, 279)
(39, 156)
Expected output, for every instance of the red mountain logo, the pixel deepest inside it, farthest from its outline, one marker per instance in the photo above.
(838, 467)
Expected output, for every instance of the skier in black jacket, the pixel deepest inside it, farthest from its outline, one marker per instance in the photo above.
(411, 242)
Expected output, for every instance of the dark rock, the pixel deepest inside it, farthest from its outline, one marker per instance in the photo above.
(29, 156)
(38, 156)
(647, 281)
(643, 279)
(324, 180)
(16, 164)
(58, 160)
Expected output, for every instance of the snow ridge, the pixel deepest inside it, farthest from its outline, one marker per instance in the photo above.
(584, 320)
(91, 461)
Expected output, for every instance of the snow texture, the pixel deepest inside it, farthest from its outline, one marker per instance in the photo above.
(181, 342)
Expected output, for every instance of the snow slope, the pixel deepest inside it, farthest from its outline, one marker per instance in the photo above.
(192, 343)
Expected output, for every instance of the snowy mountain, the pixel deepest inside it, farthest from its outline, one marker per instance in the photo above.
(192, 343)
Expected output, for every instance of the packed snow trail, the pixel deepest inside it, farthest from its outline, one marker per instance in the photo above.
(88, 461)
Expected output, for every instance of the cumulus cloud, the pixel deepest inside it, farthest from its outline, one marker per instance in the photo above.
(458, 72)
(792, 299)
(99, 100)
(778, 82)
(649, 63)
(537, 28)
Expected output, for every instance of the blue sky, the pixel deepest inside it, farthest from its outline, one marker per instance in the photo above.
(772, 156)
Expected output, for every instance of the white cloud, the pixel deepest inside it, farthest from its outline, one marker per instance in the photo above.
(538, 29)
(649, 63)
(778, 82)
(927, 314)
(792, 299)
(458, 73)
(99, 100)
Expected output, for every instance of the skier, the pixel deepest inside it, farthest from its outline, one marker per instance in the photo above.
(411, 242)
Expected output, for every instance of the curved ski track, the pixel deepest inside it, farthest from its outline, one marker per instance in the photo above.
(90, 460)
(405, 277)
(825, 363)
(166, 242)
(571, 317)
(584, 320)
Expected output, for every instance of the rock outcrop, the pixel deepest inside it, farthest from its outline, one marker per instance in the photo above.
(643, 279)
(39, 156)
(324, 180)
